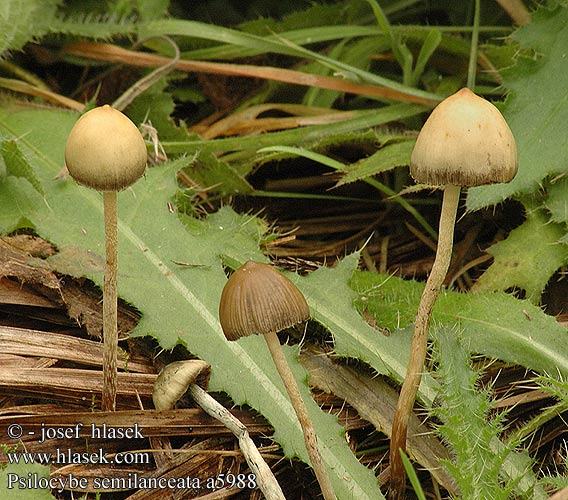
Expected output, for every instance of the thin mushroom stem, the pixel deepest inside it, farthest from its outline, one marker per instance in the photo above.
(419, 339)
(264, 476)
(302, 413)
(110, 316)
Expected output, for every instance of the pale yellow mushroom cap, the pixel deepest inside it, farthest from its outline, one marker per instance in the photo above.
(465, 142)
(105, 150)
(174, 381)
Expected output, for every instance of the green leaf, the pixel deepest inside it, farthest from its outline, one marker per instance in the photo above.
(19, 201)
(557, 200)
(93, 25)
(468, 426)
(412, 476)
(3, 171)
(324, 98)
(404, 57)
(493, 324)
(209, 171)
(196, 29)
(307, 15)
(536, 108)
(306, 153)
(359, 120)
(331, 303)
(10, 488)
(557, 388)
(179, 303)
(17, 164)
(380, 16)
(305, 196)
(337, 165)
(527, 259)
(152, 9)
(331, 436)
(451, 44)
(156, 106)
(316, 34)
(24, 20)
(429, 46)
(388, 157)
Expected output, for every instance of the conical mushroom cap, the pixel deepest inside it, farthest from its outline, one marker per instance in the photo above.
(257, 299)
(105, 151)
(465, 142)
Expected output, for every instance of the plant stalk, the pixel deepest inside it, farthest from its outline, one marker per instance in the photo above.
(110, 316)
(517, 11)
(420, 339)
(310, 438)
(472, 66)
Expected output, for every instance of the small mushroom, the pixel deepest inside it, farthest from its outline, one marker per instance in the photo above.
(105, 151)
(257, 299)
(465, 142)
(193, 375)
(175, 379)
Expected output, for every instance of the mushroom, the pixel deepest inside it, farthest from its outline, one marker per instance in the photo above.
(257, 299)
(175, 379)
(465, 142)
(179, 377)
(105, 151)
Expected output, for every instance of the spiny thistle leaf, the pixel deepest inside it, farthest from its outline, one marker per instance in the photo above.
(467, 425)
(24, 20)
(494, 324)
(11, 488)
(388, 157)
(95, 26)
(557, 200)
(527, 259)
(20, 202)
(353, 337)
(211, 172)
(17, 164)
(555, 387)
(536, 108)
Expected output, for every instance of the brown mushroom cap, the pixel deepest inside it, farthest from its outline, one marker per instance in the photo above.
(105, 150)
(257, 299)
(465, 142)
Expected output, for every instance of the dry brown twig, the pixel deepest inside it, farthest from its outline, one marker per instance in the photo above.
(516, 10)
(113, 53)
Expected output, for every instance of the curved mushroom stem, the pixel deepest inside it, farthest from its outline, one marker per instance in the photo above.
(419, 339)
(110, 331)
(302, 414)
(264, 476)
